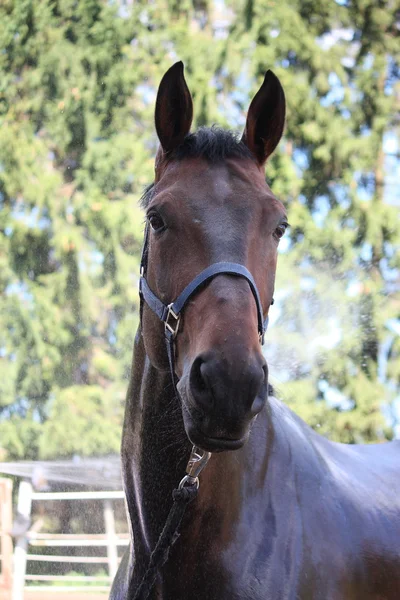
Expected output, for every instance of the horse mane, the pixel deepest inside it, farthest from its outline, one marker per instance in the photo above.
(211, 143)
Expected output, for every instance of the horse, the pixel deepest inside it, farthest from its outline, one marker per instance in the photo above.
(282, 513)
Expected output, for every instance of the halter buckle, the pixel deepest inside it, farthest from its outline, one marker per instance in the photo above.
(172, 327)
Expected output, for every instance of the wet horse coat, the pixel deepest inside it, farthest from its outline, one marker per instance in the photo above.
(287, 514)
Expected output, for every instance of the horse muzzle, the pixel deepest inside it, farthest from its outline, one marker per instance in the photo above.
(221, 397)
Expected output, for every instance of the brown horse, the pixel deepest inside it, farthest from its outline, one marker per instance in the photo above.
(287, 514)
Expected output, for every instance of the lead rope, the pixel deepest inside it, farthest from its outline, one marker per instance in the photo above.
(182, 496)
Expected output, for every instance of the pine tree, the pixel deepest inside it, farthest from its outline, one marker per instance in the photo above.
(69, 250)
(77, 90)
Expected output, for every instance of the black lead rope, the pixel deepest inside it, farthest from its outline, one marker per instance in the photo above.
(182, 496)
(169, 535)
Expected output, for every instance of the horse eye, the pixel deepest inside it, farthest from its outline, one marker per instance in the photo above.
(279, 231)
(156, 222)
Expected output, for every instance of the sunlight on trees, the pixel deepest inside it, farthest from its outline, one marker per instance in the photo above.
(77, 145)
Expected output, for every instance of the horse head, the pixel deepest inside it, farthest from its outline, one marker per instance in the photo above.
(210, 204)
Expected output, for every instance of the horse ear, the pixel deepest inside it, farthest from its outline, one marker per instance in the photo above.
(174, 108)
(265, 119)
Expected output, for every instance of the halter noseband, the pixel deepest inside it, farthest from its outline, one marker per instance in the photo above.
(170, 314)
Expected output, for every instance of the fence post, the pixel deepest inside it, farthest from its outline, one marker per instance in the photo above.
(5, 528)
(21, 544)
(112, 553)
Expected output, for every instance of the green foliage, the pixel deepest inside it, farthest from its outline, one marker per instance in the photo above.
(77, 90)
(96, 415)
(69, 155)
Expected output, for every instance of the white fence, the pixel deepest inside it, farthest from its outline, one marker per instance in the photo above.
(32, 540)
(5, 538)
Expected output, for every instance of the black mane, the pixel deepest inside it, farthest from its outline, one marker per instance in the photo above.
(211, 143)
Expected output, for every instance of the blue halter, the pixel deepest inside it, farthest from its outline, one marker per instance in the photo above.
(170, 314)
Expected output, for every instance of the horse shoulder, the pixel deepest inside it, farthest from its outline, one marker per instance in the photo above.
(343, 505)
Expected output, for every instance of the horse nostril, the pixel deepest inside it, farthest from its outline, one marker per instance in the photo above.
(198, 382)
(265, 371)
(259, 398)
(196, 377)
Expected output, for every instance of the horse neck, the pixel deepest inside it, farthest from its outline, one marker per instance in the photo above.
(155, 448)
(155, 451)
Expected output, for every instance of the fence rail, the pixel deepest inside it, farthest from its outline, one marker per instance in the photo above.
(33, 535)
(55, 588)
(119, 495)
(76, 543)
(69, 559)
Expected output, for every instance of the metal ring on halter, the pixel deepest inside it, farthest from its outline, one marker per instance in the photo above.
(172, 327)
(188, 480)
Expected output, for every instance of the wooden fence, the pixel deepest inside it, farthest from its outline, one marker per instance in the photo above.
(6, 548)
(69, 584)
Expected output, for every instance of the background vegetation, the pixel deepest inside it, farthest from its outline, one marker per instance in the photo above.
(77, 90)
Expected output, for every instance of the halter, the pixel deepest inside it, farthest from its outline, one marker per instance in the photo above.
(170, 314)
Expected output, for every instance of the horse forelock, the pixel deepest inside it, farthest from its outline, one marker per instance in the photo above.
(213, 144)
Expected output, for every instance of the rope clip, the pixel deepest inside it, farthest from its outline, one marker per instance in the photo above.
(197, 461)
